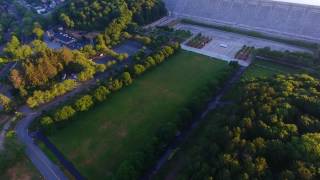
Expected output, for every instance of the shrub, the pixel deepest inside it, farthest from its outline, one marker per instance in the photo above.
(64, 114)
(46, 121)
(126, 77)
(5, 102)
(101, 93)
(116, 85)
(41, 97)
(139, 69)
(84, 103)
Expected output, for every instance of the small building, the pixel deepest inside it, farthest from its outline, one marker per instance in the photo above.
(40, 10)
(63, 38)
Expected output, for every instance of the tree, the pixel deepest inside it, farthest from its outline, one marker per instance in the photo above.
(5, 102)
(127, 80)
(39, 46)
(11, 47)
(66, 55)
(151, 61)
(64, 114)
(271, 132)
(38, 32)
(101, 44)
(101, 93)
(139, 69)
(116, 85)
(89, 51)
(84, 103)
(101, 67)
(46, 121)
(67, 22)
(16, 79)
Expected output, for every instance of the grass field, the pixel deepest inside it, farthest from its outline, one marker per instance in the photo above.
(267, 69)
(100, 139)
(22, 170)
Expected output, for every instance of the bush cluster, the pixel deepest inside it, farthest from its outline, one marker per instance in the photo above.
(40, 97)
(296, 58)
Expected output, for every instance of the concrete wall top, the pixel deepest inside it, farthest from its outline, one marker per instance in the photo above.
(300, 21)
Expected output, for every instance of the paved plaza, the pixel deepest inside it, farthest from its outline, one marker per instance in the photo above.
(225, 45)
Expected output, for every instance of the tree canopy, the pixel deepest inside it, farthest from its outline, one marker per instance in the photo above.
(273, 133)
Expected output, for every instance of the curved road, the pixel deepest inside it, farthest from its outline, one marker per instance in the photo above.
(45, 166)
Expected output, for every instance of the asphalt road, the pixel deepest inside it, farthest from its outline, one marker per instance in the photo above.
(46, 167)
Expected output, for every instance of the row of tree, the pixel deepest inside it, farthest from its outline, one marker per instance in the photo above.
(271, 132)
(40, 97)
(297, 58)
(144, 63)
(85, 102)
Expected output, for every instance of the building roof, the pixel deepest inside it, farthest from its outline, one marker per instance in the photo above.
(285, 19)
(65, 38)
(307, 2)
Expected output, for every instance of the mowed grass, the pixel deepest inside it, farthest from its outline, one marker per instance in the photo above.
(22, 170)
(97, 141)
(262, 69)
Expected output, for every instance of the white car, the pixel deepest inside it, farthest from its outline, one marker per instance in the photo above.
(223, 45)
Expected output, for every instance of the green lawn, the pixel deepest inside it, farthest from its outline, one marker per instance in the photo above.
(100, 139)
(23, 169)
(267, 69)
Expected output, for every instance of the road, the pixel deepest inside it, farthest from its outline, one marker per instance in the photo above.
(46, 167)
(183, 137)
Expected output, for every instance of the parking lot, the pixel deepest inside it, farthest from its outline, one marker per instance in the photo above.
(225, 44)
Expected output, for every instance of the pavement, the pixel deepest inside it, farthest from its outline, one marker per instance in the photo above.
(225, 45)
(46, 167)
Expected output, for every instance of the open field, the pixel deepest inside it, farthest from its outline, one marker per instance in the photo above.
(100, 139)
(266, 69)
(23, 170)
